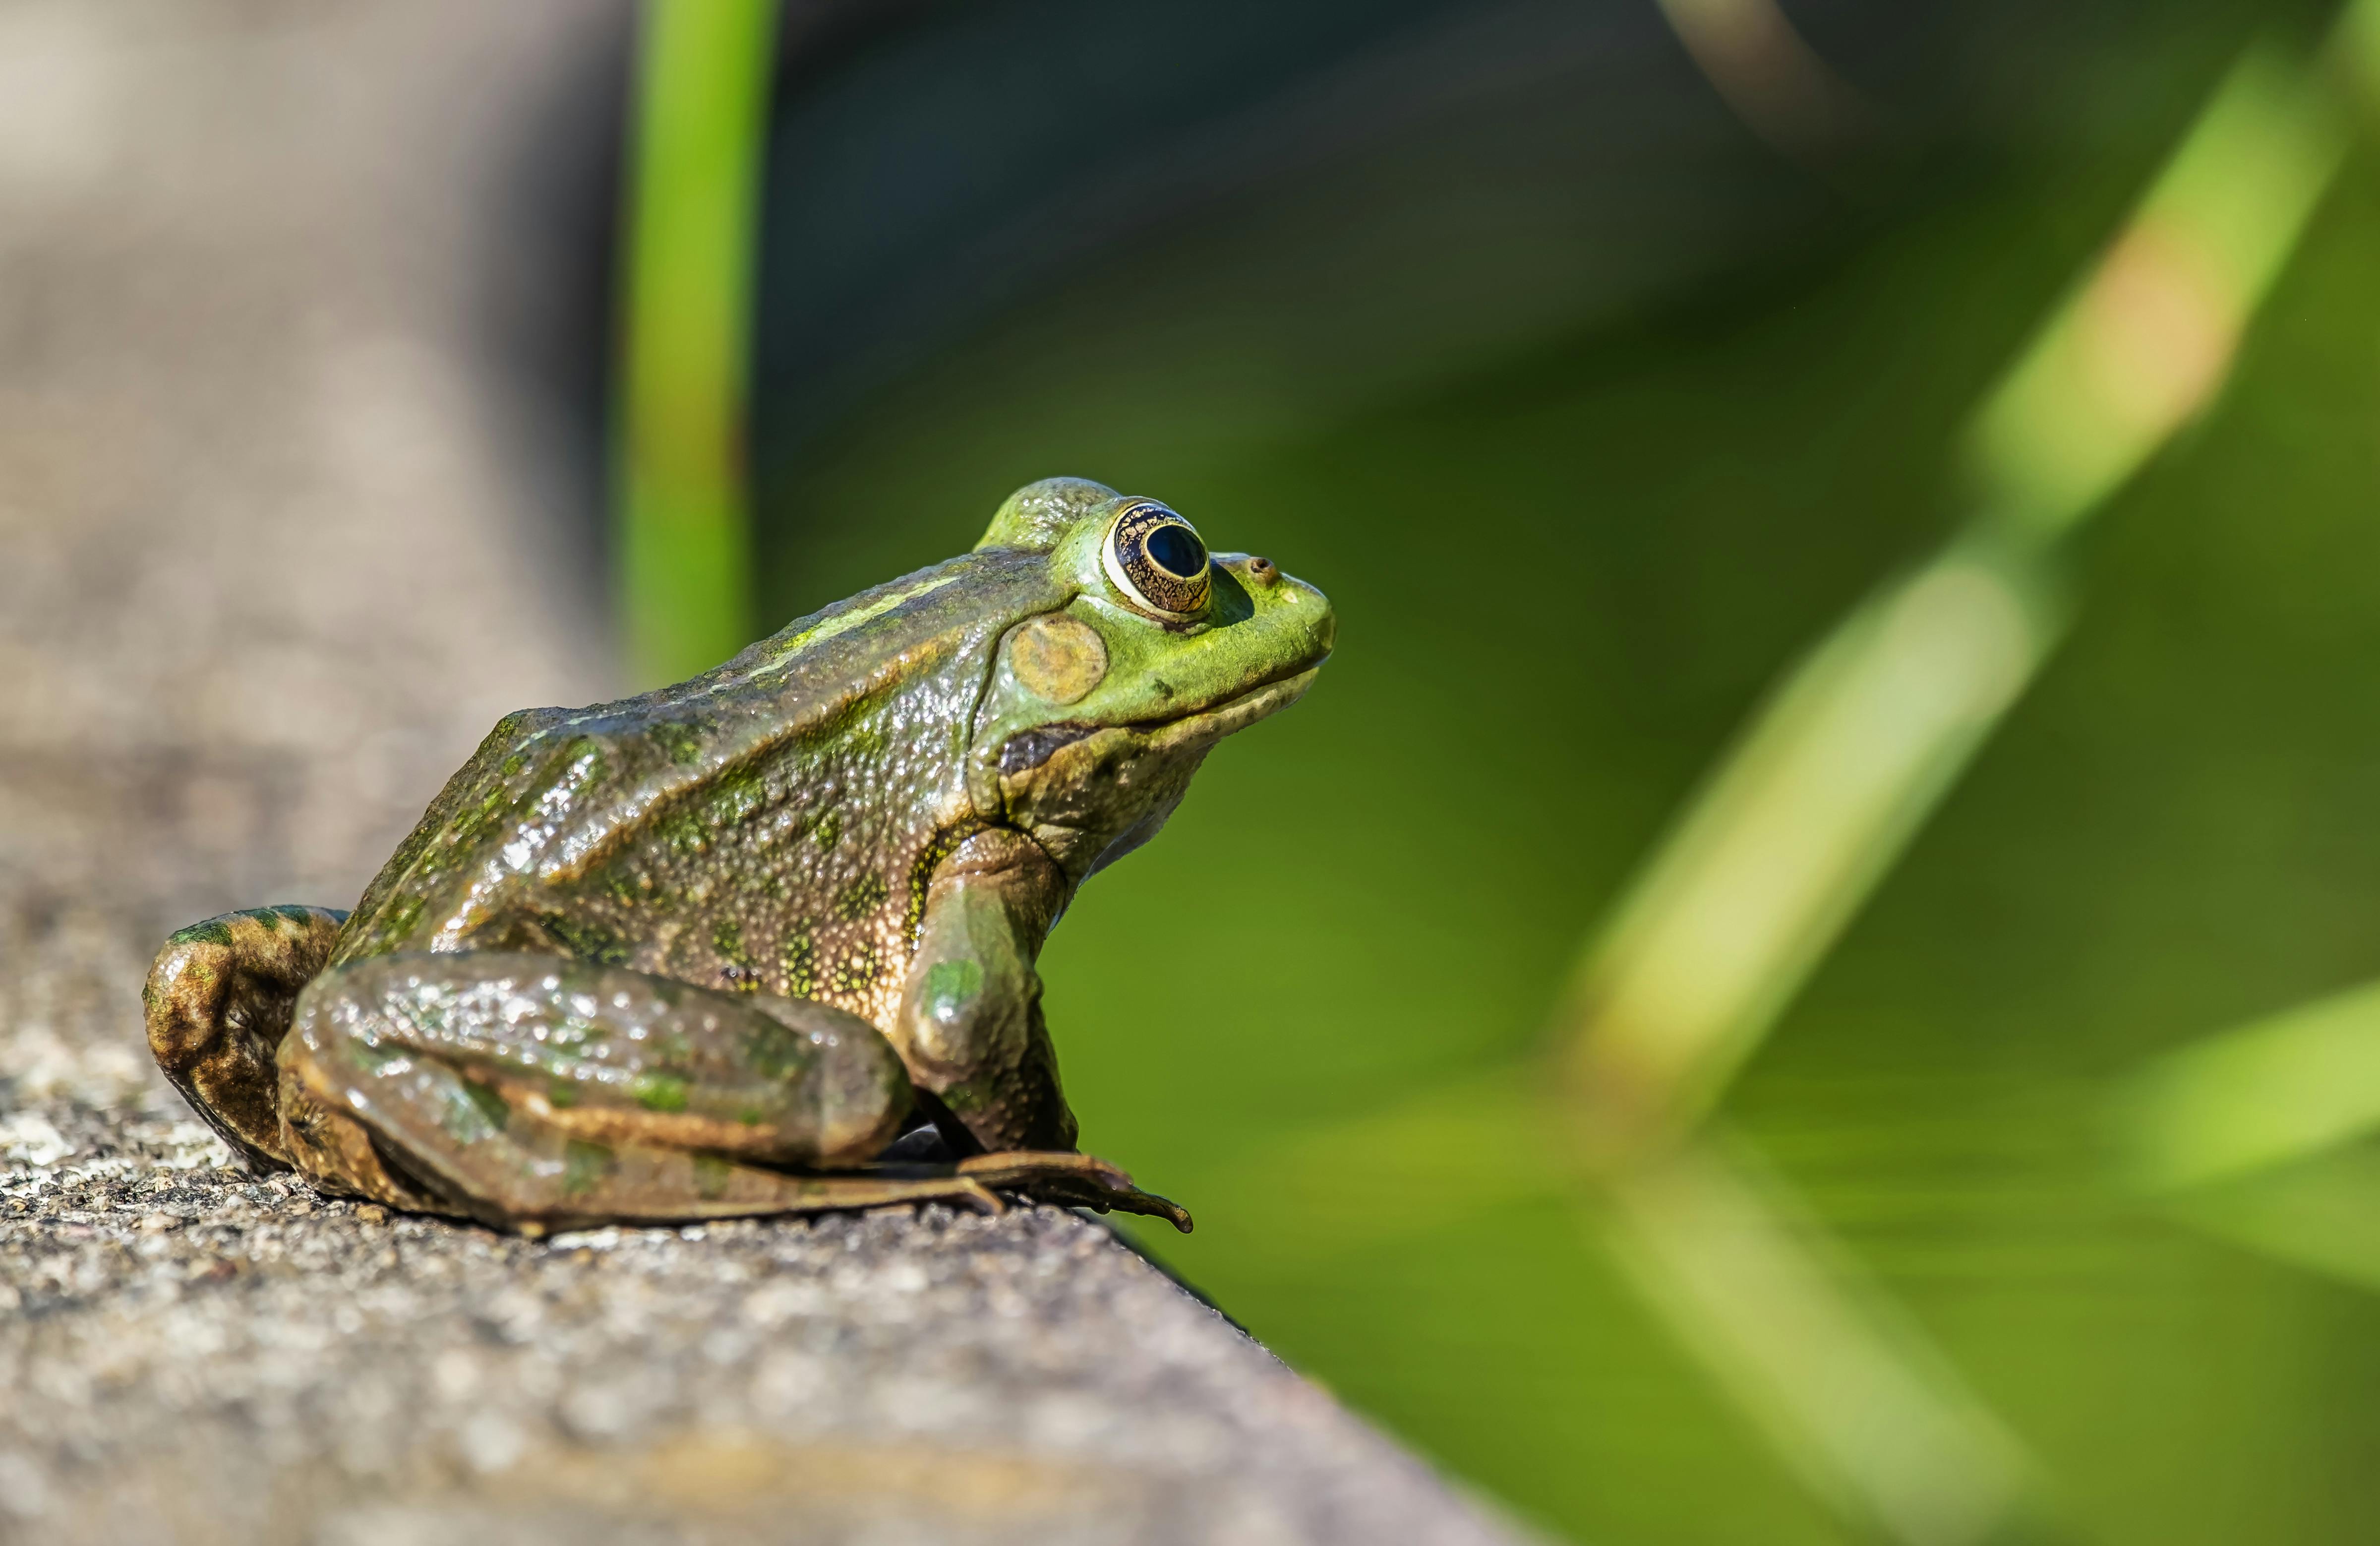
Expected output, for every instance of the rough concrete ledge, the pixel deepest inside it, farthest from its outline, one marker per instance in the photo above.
(282, 533)
(190, 1353)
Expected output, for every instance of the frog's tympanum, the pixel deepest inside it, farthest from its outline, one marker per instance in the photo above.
(762, 942)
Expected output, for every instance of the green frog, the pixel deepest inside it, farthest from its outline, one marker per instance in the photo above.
(762, 942)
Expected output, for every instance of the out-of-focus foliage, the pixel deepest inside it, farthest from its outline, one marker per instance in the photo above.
(684, 534)
(1833, 776)
(1572, 544)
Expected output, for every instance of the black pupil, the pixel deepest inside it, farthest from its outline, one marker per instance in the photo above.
(1177, 550)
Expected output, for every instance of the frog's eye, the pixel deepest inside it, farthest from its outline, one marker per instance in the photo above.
(1156, 560)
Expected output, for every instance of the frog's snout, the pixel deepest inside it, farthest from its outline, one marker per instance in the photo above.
(1295, 615)
(1313, 610)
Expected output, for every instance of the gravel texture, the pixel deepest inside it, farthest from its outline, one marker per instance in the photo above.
(192, 1354)
(285, 525)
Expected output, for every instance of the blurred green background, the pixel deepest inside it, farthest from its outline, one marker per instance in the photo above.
(1592, 410)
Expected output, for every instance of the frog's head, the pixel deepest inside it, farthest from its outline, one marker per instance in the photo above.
(1098, 713)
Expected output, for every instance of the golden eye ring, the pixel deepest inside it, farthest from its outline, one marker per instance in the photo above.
(1157, 559)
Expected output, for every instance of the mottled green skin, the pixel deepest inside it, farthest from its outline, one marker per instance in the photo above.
(855, 835)
(771, 825)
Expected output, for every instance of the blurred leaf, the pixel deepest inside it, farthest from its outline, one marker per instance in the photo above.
(1843, 1383)
(1774, 857)
(2322, 1214)
(692, 238)
(2147, 338)
(2264, 1095)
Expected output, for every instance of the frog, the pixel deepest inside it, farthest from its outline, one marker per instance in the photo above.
(765, 941)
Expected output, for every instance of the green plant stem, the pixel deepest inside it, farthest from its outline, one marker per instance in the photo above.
(693, 215)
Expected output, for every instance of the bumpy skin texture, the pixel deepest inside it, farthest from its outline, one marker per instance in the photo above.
(772, 824)
(637, 958)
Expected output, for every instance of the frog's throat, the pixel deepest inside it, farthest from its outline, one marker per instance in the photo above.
(1024, 755)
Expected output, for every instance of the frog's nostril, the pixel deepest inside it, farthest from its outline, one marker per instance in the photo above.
(1261, 570)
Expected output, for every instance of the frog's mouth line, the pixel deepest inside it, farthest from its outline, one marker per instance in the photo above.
(1028, 749)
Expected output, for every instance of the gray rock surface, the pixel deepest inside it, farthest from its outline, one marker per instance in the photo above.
(192, 1354)
(283, 529)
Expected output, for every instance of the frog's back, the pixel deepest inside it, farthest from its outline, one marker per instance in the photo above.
(767, 824)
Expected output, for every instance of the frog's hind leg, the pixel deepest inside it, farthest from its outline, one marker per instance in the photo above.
(534, 1093)
(444, 1143)
(218, 1002)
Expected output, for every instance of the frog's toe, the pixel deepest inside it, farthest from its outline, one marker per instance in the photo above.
(1075, 1180)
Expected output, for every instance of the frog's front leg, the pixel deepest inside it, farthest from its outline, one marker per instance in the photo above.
(534, 1093)
(969, 1028)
